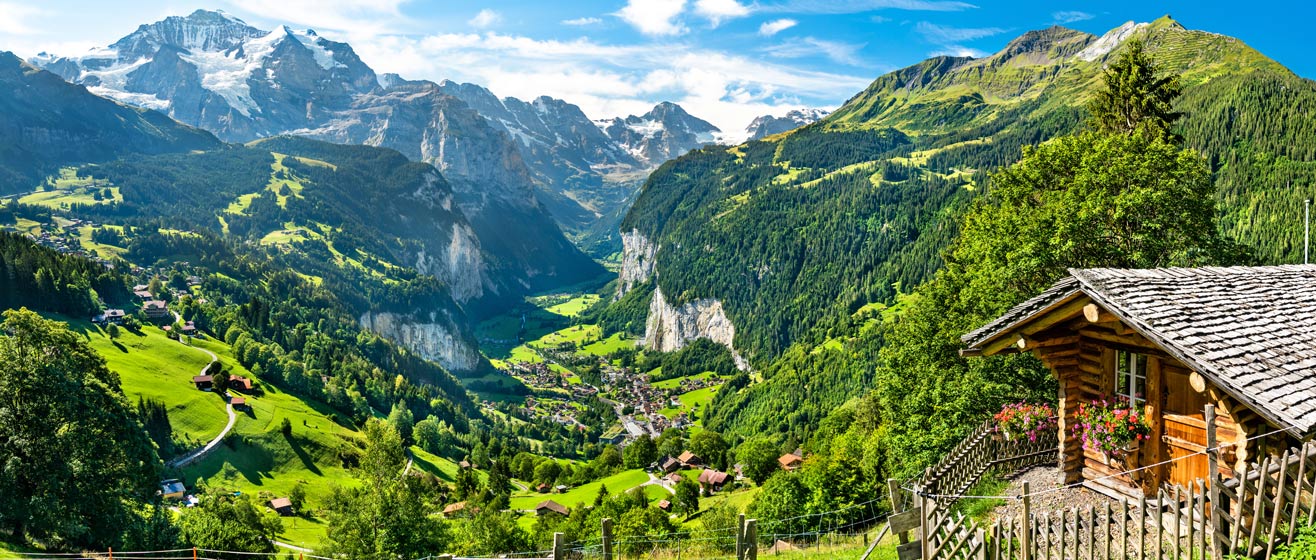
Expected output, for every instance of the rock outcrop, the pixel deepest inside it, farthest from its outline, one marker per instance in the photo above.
(432, 339)
(669, 328)
(637, 260)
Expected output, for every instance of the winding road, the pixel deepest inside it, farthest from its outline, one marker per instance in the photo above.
(232, 418)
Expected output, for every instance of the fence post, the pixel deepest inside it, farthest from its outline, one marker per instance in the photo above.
(740, 537)
(751, 539)
(925, 522)
(607, 538)
(1026, 527)
(1213, 465)
(559, 549)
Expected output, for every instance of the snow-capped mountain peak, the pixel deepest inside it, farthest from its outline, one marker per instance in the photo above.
(665, 132)
(767, 125)
(216, 71)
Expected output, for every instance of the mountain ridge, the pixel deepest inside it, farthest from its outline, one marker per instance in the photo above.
(215, 71)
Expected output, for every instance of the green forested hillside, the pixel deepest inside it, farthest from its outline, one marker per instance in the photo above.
(794, 241)
(46, 122)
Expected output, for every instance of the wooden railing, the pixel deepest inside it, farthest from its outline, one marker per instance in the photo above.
(983, 451)
(1249, 513)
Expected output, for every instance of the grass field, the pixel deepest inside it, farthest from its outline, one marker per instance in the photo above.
(577, 334)
(692, 402)
(256, 458)
(70, 189)
(585, 493)
(152, 366)
(676, 381)
(618, 341)
(574, 306)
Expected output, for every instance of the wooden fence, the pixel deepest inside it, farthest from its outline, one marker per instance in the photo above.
(1248, 513)
(978, 454)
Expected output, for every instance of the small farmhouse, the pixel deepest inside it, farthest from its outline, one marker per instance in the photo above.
(712, 481)
(689, 459)
(790, 461)
(282, 506)
(240, 383)
(669, 464)
(203, 382)
(455, 510)
(1169, 342)
(549, 506)
(172, 489)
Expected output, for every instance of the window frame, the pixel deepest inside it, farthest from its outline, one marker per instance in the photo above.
(1131, 377)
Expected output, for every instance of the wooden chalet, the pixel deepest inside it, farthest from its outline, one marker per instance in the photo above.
(238, 402)
(790, 461)
(172, 489)
(455, 510)
(1172, 341)
(712, 480)
(282, 506)
(203, 382)
(549, 506)
(240, 383)
(155, 309)
(664, 505)
(543, 488)
(689, 459)
(669, 464)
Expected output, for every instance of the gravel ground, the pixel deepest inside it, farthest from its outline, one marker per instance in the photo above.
(1039, 479)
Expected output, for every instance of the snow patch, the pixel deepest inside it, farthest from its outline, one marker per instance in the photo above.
(1108, 42)
(114, 77)
(138, 99)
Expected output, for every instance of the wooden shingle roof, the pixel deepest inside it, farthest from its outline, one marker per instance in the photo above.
(1251, 330)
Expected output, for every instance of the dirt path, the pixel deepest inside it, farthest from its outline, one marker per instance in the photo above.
(655, 481)
(232, 418)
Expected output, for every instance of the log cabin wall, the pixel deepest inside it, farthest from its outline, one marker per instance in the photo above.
(1082, 355)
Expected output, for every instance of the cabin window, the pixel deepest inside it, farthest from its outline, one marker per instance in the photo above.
(1131, 374)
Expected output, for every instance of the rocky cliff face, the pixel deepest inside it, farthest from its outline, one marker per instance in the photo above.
(637, 260)
(670, 328)
(431, 338)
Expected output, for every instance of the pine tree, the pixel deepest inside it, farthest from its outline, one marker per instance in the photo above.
(1135, 97)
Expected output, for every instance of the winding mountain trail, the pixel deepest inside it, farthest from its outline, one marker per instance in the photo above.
(232, 419)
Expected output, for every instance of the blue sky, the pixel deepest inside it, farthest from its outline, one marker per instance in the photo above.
(724, 60)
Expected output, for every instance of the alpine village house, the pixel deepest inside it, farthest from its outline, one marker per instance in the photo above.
(1173, 340)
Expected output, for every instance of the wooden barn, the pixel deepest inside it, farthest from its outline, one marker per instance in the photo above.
(1172, 341)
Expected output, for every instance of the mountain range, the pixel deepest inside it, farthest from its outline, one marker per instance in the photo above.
(216, 72)
(871, 195)
(47, 122)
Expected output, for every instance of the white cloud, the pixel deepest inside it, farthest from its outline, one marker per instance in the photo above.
(941, 34)
(355, 18)
(486, 18)
(1070, 16)
(654, 17)
(957, 50)
(716, 11)
(859, 6)
(770, 28)
(608, 80)
(15, 19)
(843, 53)
(582, 21)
